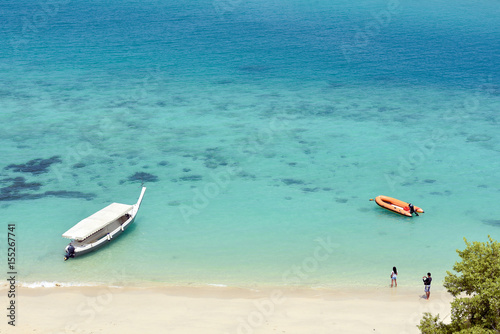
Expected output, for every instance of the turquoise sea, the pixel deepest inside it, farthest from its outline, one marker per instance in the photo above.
(261, 130)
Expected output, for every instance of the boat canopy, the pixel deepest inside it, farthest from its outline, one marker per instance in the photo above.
(97, 221)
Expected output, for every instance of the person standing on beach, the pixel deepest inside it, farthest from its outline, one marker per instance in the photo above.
(427, 285)
(394, 276)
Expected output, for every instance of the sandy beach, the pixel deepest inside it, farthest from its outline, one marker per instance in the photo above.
(221, 310)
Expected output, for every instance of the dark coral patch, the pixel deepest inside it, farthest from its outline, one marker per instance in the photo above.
(18, 189)
(19, 196)
(17, 185)
(78, 165)
(213, 158)
(310, 190)
(211, 164)
(70, 194)
(143, 177)
(191, 178)
(246, 175)
(35, 166)
(61, 194)
(492, 222)
(289, 182)
(478, 138)
(438, 193)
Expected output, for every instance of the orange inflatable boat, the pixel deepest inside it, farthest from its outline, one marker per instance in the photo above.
(397, 206)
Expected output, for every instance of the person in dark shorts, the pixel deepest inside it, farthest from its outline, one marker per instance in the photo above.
(427, 285)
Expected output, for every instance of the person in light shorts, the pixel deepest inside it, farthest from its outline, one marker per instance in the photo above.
(394, 276)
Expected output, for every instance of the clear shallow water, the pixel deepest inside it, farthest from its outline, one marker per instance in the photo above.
(267, 126)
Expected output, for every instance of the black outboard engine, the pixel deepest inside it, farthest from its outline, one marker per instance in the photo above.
(412, 209)
(70, 252)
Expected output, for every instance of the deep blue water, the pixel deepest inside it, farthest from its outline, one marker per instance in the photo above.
(429, 42)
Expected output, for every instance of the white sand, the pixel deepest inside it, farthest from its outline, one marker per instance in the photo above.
(220, 310)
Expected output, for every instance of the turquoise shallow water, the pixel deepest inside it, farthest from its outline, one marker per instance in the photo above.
(263, 129)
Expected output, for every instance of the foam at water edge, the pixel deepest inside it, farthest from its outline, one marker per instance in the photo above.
(218, 285)
(45, 284)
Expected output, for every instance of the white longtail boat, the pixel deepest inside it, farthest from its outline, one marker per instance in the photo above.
(100, 228)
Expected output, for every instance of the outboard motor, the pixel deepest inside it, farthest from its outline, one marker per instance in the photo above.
(412, 209)
(70, 252)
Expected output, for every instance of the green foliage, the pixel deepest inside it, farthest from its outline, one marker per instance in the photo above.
(476, 288)
(432, 325)
(476, 330)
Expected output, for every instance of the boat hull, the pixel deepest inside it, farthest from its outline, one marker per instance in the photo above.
(101, 242)
(118, 226)
(396, 205)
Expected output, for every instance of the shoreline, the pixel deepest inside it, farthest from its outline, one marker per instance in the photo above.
(212, 309)
(256, 286)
